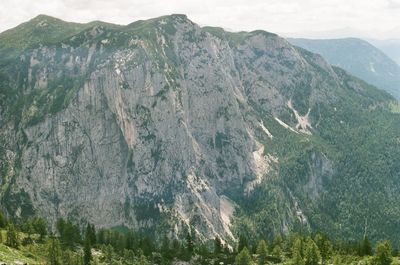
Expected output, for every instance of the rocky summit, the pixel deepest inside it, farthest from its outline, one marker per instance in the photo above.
(163, 125)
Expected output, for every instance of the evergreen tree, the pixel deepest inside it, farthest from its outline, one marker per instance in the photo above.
(337, 260)
(108, 253)
(243, 243)
(54, 252)
(69, 233)
(312, 255)
(189, 243)
(142, 260)
(383, 253)
(39, 226)
(60, 225)
(297, 257)
(203, 250)
(27, 228)
(101, 237)
(365, 248)
(262, 252)
(68, 257)
(129, 255)
(277, 251)
(146, 244)
(165, 249)
(156, 258)
(12, 236)
(87, 246)
(176, 248)
(217, 245)
(277, 241)
(130, 240)
(243, 258)
(3, 221)
(324, 245)
(277, 246)
(91, 233)
(87, 251)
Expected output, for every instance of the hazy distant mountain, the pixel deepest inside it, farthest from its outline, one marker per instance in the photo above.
(166, 126)
(346, 32)
(359, 58)
(390, 47)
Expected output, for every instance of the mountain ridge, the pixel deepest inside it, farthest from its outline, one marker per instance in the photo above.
(359, 58)
(163, 125)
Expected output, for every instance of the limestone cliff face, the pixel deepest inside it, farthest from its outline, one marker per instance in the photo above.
(159, 123)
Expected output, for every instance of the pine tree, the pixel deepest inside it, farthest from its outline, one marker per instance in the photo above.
(365, 248)
(28, 228)
(129, 255)
(337, 260)
(90, 239)
(383, 253)
(277, 251)
(243, 258)
(68, 257)
(146, 244)
(3, 221)
(277, 241)
(243, 243)
(12, 236)
(108, 251)
(277, 246)
(87, 251)
(324, 246)
(60, 225)
(297, 258)
(101, 237)
(54, 251)
(93, 234)
(217, 245)
(142, 260)
(88, 236)
(176, 248)
(39, 226)
(69, 233)
(189, 243)
(165, 250)
(262, 252)
(312, 255)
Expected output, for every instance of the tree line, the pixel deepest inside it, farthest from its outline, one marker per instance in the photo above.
(71, 244)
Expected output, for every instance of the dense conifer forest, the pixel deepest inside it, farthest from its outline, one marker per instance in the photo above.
(31, 242)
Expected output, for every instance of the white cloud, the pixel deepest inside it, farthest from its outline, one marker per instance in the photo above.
(394, 4)
(270, 15)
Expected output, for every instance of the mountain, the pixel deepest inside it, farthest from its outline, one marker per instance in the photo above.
(359, 58)
(164, 126)
(390, 47)
(346, 32)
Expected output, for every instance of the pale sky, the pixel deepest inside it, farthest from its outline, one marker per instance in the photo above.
(371, 17)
